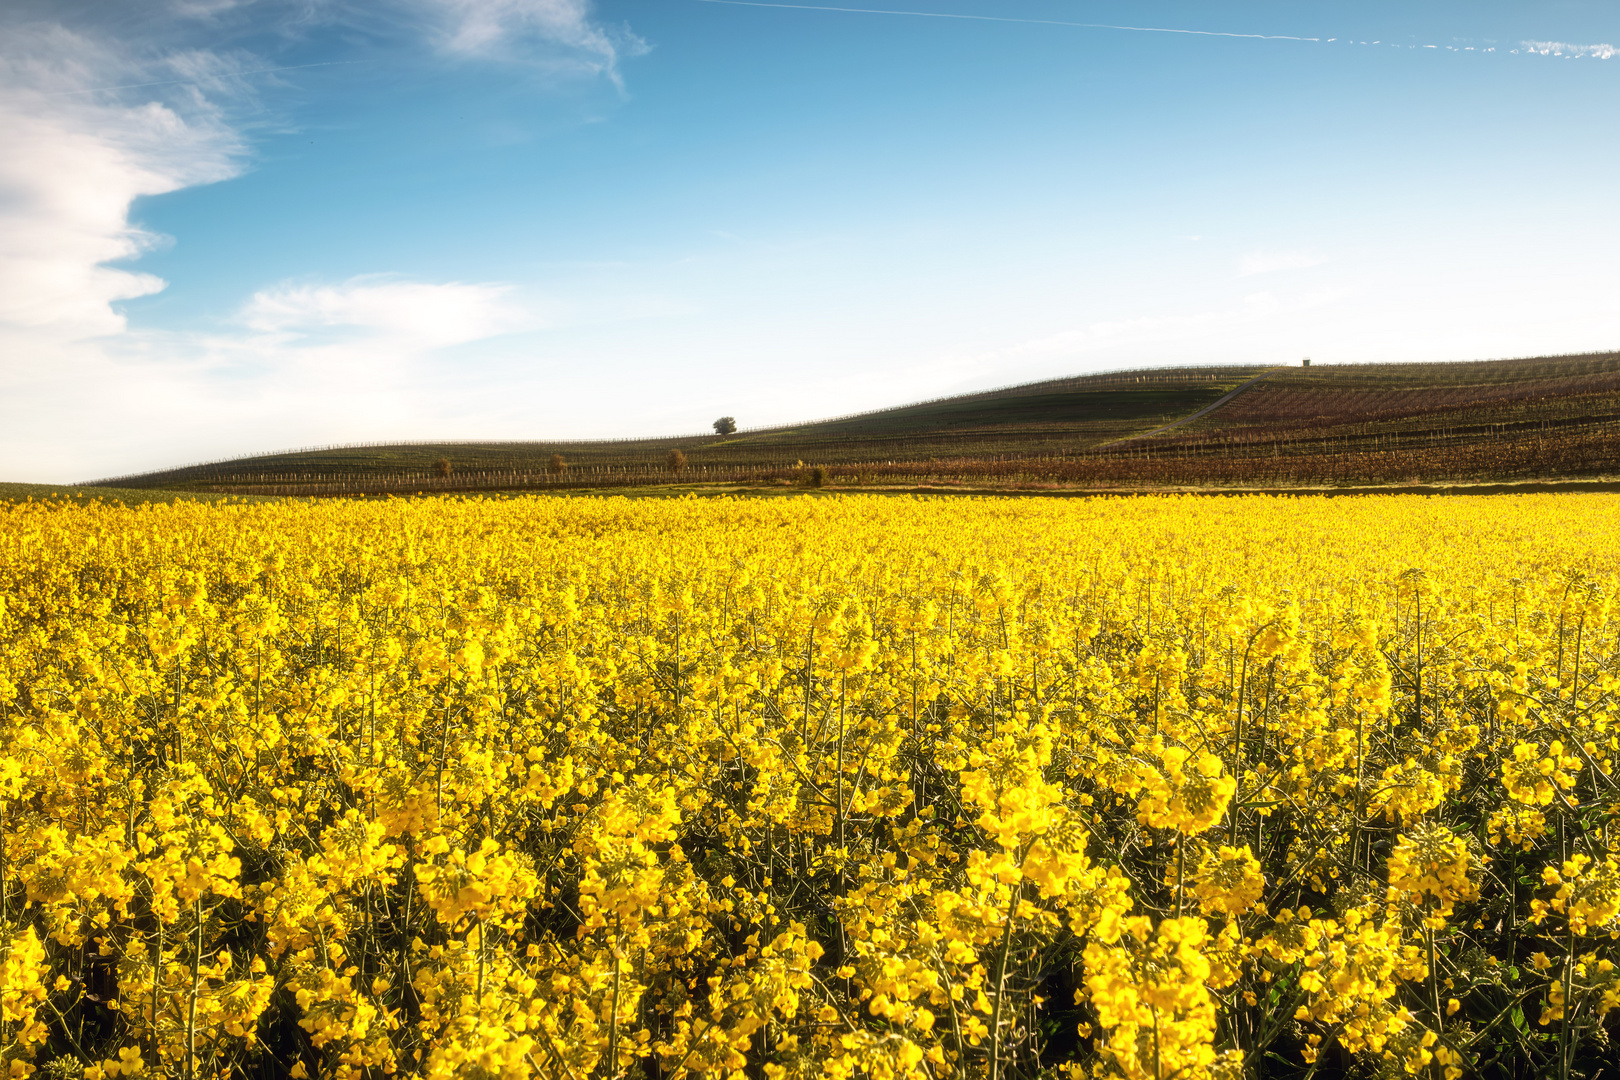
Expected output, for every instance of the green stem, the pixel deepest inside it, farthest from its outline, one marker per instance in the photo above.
(157, 981)
(1181, 871)
(1001, 975)
(613, 1031)
(1566, 1051)
(191, 1009)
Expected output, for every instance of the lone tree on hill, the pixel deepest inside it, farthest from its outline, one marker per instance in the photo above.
(557, 466)
(441, 467)
(676, 461)
(726, 425)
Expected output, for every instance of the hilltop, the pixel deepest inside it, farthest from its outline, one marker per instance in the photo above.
(1495, 420)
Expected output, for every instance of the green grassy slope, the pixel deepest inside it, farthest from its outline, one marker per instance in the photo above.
(1435, 421)
(1063, 416)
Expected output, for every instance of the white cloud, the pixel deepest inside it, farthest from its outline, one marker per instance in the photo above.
(1564, 48)
(420, 315)
(72, 167)
(80, 391)
(299, 363)
(1269, 262)
(503, 27)
(90, 125)
(362, 351)
(74, 163)
(203, 9)
(303, 360)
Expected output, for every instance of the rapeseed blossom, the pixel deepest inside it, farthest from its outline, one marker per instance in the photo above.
(854, 787)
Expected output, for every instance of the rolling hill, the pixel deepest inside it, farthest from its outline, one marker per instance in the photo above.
(1538, 418)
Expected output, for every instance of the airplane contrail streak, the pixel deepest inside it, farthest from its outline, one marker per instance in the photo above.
(1008, 19)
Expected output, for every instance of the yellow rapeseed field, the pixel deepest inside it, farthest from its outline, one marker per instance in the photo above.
(1158, 789)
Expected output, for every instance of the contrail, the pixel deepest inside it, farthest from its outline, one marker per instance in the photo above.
(1564, 48)
(193, 82)
(1544, 48)
(1007, 19)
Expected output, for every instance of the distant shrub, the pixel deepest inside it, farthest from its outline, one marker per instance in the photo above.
(726, 425)
(818, 476)
(442, 467)
(676, 461)
(557, 466)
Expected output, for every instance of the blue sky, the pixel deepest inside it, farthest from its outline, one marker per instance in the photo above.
(239, 225)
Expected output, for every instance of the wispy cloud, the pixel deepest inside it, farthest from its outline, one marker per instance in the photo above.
(89, 126)
(368, 357)
(204, 9)
(361, 355)
(1270, 262)
(371, 357)
(565, 29)
(1564, 48)
(90, 123)
(389, 311)
(73, 166)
